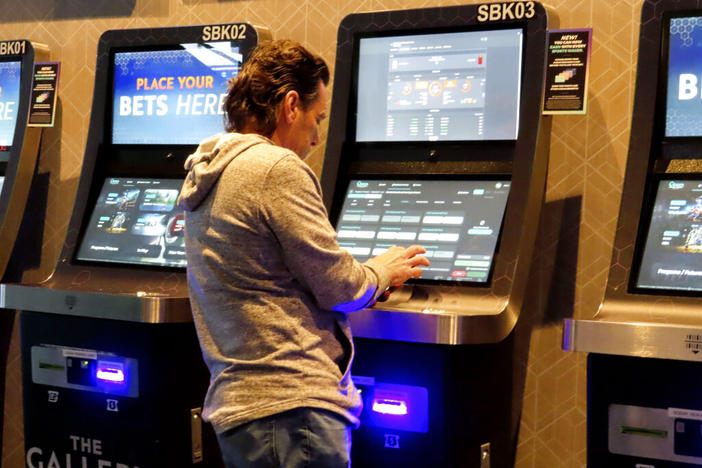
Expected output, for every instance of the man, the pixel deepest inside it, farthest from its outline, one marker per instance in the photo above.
(269, 285)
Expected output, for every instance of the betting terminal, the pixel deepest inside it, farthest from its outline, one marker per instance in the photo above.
(19, 149)
(435, 138)
(19, 143)
(645, 343)
(112, 370)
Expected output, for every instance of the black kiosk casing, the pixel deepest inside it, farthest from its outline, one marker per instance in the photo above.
(435, 362)
(645, 341)
(112, 369)
(18, 160)
(19, 150)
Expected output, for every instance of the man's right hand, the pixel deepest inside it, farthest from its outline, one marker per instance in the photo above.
(403, 263)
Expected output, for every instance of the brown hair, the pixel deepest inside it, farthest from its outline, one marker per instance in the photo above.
(274, 69)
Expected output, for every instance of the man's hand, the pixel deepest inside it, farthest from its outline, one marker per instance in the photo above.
(403, 263)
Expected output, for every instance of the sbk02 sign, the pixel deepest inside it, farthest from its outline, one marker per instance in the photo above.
(224, 32)
(506, 11)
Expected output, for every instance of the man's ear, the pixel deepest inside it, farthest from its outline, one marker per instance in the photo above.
(291, 106)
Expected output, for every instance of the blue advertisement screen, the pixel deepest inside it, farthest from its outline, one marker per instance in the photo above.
(9, 100)
(683, 116)
(171, 96)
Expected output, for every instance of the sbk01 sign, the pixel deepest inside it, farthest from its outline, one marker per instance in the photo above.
(13, 48)
(86, 453)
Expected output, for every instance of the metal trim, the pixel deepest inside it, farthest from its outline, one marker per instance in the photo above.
(639, 339)
(136, 307)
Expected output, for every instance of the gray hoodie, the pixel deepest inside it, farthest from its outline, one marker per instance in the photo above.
(269, 285)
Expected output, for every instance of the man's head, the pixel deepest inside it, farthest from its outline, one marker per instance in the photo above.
(280, 93)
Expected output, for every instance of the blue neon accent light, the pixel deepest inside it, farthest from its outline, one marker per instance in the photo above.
(110, 372)
(394, 406)
(357, 304)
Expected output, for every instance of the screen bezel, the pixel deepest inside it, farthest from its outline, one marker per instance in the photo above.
(109, 111)
(444, 145)
(642, 238)
(92, 206)
(671, 147)
(340, 196)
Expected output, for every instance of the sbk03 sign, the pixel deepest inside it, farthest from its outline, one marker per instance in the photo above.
(506, 11)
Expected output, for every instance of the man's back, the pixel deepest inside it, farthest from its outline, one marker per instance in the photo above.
(268, 343)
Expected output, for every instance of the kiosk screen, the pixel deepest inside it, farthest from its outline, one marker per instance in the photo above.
(173, 96)
(136, 221)
(449, 86)
(683, 116)
(10, 73)
(458, 222)
(672, 256)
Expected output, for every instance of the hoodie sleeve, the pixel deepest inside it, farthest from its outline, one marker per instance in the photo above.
(294, 210)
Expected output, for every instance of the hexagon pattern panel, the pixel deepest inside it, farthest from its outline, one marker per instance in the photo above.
(587, 160)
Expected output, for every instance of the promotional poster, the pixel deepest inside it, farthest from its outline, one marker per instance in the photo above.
(567, 74)
(42, 107)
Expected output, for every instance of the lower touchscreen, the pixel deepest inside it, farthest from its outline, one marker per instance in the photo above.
(136, 221)
(672, 256)
(458, 222)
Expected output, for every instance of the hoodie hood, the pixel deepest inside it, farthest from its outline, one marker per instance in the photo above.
(208, 162)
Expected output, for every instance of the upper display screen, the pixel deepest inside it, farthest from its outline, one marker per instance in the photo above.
(672, 257)
(10, 73)
(171, 96)
(136, 221)
(683, 115)
(459, 86)
(458, 222)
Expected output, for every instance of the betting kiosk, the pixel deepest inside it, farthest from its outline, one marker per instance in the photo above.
(19, 143)
(19, 148)
(112, 370)
(644, 366)
(435, 138)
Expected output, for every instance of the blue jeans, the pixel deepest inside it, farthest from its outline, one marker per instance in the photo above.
(299, 438)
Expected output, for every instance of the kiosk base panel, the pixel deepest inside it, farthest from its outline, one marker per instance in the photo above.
(434, 406)
(112, 393)
(644, 412)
